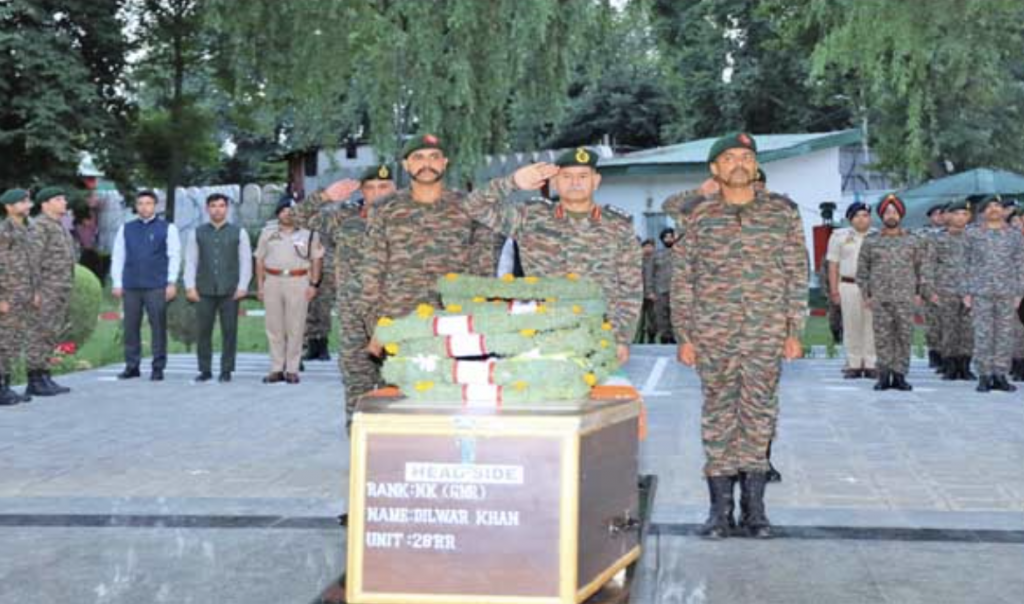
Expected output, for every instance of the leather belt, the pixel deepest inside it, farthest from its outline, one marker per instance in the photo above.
(287, 273)
(848, 280)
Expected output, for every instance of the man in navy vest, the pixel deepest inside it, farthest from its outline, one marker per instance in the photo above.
(144, 270)
(218, 268)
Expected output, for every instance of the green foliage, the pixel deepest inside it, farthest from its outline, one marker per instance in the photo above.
(158, 132)
(84, 310)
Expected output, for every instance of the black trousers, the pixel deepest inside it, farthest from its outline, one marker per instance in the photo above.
(155, 306)
(207, 310)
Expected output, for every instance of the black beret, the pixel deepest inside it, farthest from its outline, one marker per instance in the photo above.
(285, 202)
(941, 207)
(957, 206)
(580, 156)
(987, 201)
(856, 207)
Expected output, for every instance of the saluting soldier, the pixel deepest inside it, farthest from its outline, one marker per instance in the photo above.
(56, 280)
(573, 236)
(739, 303)
(331, 211)
(891, 277)
(19, 280)
(288, 263)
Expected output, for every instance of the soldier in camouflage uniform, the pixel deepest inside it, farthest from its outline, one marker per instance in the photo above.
(418, 235)
(993, 288)
(19, 280)
(736, 321)
(344, 222)
(56, 280)
(662, 288)
(933, 326)
(318, 320)
(574, 235)
(891, 279)
(944, 268)
(1017, 367)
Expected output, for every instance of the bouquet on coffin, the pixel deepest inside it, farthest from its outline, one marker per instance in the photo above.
(502, 340)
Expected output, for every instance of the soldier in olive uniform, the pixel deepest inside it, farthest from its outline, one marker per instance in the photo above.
(574, 235)
(736, 321)
(662, 288)
(330, 211)
(944, 267)
(288, 263)
(418, 235)
(891, 276)
(56, 280)
(993, 288)
(19, 281)
(933, 325)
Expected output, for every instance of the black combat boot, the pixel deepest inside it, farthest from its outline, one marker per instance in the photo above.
(934, 359)
(899, 382)
(773, 473)
(54, 385)
(312, 349)
(720, 521)
(884, 380)
(966, 373)
(1017, 373)
(324, 350)
(8, 397)
(984, 383)
(753, 519)
(950, 368)
(999, 382)
(37, 386)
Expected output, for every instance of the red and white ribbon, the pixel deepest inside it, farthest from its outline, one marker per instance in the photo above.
(453, 326)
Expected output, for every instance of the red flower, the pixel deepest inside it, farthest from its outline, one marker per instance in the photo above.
(67, 348)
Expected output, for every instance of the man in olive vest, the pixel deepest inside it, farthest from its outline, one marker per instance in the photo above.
(218, 268)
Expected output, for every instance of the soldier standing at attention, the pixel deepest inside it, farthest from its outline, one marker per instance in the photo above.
(739, 305)
(418, 235)
(144, 270)
(56, 280)
(19, 298)
(345, 224)
(662, 288)
(573, 236)
(858, 324)
(892, 280)
(218, 269)
(933, 326)
(944, 268)
(288, 263)
(993, 288)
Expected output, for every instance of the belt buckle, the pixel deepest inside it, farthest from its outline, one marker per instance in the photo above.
(286, 273)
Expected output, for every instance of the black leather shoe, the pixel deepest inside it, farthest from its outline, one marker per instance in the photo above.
(204, 376)
(129, 373)
(157, 375)
(884, 380)
(224, 377)
(871, 374)
(899, 382)
(274, 378)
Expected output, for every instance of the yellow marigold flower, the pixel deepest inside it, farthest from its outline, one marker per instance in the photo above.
(391, 349)
(590, 379)
(541, 309)
(424, 311)
(479, 299)
(576, 309)
(606, 326)
(572, 277)
(604, 344)
(551, 300)
(520, 385)
(508, 277)
(423, 386)
(531, 279)
(528, 332)
(385, 322)
(451, 276)
(453, 308)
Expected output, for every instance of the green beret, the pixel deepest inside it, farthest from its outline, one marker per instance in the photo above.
(987, 201)
(13, 196)
(423, 141)
(381, 172)
(580, 156)
(939, 207)
(47, 193)
(957, 206)
(739, 140)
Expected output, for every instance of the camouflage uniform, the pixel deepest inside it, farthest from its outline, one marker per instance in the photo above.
(737, 315)
(662, 288)
(19, 283)
(600, 246)
(412, 244)
(934, 328)
(994, 279)
(318, 321)
(944, 267)
(56, 280)
(345, 227)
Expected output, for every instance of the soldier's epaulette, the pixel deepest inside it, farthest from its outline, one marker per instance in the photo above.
(617, 211)
(538, 199)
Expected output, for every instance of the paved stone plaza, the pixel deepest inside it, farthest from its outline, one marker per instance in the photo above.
(174, 492)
